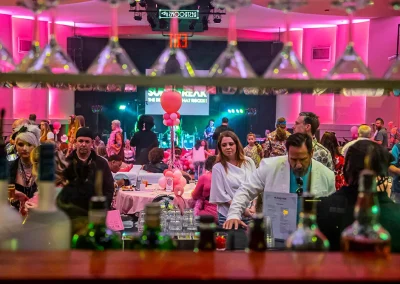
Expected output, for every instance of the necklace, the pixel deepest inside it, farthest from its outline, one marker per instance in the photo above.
(25, 170)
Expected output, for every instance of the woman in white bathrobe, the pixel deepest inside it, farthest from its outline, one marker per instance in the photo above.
(231, 170)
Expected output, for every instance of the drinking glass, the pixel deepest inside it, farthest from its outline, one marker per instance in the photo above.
(220, 240)
(350, 65)
(286, 65)
(173, 60)
(231, 62)
(6, 60)
(113, 59)
(36, 7)
(53, 59)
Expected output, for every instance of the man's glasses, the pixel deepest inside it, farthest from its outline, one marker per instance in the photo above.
(299, 189)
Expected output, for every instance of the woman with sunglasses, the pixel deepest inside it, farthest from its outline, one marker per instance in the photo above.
(231, 170)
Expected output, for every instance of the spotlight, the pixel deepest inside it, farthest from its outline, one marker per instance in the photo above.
(192, 25)
(122, 107)
(229, 111)
(137, 16)
(163, 24)
(152, 22)
(217, 19)
(237, 111)
(241, 111)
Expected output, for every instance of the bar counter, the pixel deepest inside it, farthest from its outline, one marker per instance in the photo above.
(188, 267)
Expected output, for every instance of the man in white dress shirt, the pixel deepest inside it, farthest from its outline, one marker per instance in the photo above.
(364, 133)
(284, 174)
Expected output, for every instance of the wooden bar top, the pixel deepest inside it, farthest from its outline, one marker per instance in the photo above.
(189, 267)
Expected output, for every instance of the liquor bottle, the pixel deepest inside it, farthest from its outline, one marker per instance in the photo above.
(207, 231)
(46, 228)
(10, 219)
(257, 239)
(97, 236)
(366, 234)
(307, 236)
(152, 238)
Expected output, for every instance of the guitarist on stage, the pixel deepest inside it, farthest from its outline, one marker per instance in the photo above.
(209, 132)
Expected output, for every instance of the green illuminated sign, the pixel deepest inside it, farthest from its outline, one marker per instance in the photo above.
(180, 14)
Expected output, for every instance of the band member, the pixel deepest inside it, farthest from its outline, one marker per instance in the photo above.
(208, 132)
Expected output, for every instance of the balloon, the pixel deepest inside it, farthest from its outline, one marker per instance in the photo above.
(177, 181)
(178, 114)
(170, 122)
(162, 182)
(56, 125)
(178, 190)
(191, 166)
(64, 138)
(171, 101)
(183, 181)
(165, 122)
(177, 121)
(173, 116)
(177, 174)
(166, 154)
(354, 130)
(185, 167)
(166, 116)
(169, 174)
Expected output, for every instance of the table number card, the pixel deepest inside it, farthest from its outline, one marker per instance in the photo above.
(114, 221)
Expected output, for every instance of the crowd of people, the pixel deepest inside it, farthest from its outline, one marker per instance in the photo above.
(231, 182)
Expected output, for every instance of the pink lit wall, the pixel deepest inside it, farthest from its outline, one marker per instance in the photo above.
(321, 37)
(27, 101)
(5, 31)
(61, 103)
(62, 34)
(288, 106)
(360, 39)
(323, 106)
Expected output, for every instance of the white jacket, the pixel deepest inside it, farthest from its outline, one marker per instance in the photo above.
(273, 175)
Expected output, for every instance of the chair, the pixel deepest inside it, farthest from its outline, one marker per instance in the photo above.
(123, 176)
(163, 197)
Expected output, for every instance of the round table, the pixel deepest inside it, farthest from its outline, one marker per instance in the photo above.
(131, 202)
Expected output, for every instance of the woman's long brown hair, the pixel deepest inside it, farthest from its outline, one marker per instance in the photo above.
(239, 155)
(43, 133)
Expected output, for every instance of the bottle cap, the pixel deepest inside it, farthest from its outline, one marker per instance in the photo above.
(207, 219)
(98, 203)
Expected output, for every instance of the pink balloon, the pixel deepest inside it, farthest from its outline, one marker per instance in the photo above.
(178, 190)
(177, 121)
(354, 130)
(169, 174)
(185, 167)
(183, 182)
(56, 125)
(178, 114)
(165, 122)
(162, 182)
(177, 174)
(171, 101)
(166, 116)
(177, 181)
(170, 122)
(173, 116)
(191, 166)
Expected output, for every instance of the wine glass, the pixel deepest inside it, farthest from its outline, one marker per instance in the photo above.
(173, 60)
(36, 7)
(113, 59)
(53, 59)
(350, 65)
(286, 65)
(231, 63)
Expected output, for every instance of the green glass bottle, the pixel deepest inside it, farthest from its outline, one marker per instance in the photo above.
(307, 236)
(97, 236)
(257, 239)
(207, 234)
(152, 238)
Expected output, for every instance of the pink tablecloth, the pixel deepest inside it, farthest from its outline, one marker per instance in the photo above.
(130, 202)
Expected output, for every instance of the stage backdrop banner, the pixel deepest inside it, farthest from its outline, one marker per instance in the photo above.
(195, 100)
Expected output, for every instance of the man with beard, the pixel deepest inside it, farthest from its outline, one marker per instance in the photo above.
(296, 172)
(80, 174)
(380, 136)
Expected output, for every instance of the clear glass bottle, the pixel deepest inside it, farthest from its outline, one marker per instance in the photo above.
(257, 239)
(10, 219)
(366, 234)
(46, 228)
(207, 234)
(307, 236)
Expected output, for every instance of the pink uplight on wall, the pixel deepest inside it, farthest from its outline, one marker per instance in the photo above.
(27, 101)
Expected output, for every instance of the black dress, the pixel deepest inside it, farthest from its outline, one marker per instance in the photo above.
(158, 168)
(144, 141)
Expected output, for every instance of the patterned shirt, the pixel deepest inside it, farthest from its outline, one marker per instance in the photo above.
(322, 155)
(273, 147)
(253, 153)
